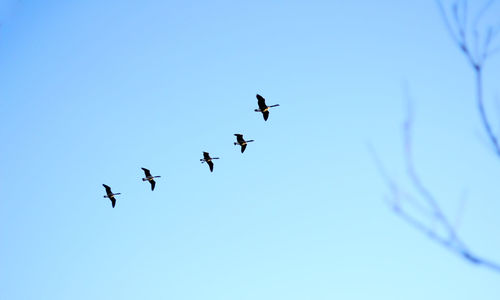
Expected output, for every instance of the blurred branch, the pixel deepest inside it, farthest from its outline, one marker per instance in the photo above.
(422, 211)
(425, 209)
(416, 181)
(476, 56)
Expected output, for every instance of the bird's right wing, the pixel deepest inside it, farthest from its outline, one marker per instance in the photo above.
(146, 172)
(210, 165)
(108, 189)
(260, 98)
(261, 102)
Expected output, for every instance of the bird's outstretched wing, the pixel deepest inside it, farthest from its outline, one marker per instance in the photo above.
(206, 155)
(239, 138)
(210, 165)
(243, 147)
(113, 201)
(265, 114)
(261, 102)
(146, 172)
(108, 189)
(153, 183)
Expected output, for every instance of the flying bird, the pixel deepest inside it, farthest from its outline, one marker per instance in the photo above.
(110, 195)
(263, 108)
(240, 141)
(206, 158)
(149, 178)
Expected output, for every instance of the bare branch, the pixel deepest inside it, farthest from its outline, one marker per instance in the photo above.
(415, 179)
(422, 203)
(486, 124)
(476, 61)
(398, 195)
(447, 23)
(460, 26)
(451, 240)
(481, 13)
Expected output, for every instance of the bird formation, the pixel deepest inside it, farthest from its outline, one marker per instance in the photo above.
(263, 108)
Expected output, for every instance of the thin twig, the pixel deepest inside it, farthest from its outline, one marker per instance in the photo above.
(398, 193)
(482, 112)
(415, 179)
(446, 22)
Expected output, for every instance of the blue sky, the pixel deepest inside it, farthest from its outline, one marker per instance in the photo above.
(91, 91)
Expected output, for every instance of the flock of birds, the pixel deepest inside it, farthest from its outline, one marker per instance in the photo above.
(263, 108)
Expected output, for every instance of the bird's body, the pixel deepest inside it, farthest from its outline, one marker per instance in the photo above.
(110, 195)
(263, 108)
(149, 178)
(206, 158)
(241, 141)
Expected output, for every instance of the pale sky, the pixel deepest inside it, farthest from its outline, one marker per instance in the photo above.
(91, 91)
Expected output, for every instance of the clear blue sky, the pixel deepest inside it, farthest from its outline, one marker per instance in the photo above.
(91, 91)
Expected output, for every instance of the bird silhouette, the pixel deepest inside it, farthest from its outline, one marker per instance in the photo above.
(240, 141)
(149, 178)
(110, 195)
(263, 108)
(206, 158)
